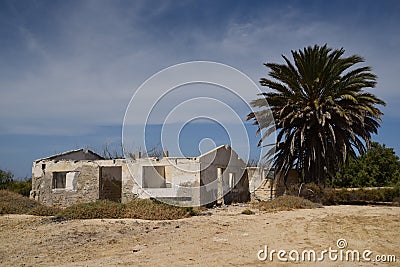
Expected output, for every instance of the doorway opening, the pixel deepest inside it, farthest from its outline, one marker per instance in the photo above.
(110, 187)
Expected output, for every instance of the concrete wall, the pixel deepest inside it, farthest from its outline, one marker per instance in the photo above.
(226, 160)
(270, 184)
(256, 177)
(261, 183)
(84, 182)
(182, 179)
(84, 188)
(153, 177)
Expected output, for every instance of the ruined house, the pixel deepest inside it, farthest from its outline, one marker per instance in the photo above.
(216, 177)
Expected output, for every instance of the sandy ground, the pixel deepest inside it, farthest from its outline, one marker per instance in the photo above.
(224, 237)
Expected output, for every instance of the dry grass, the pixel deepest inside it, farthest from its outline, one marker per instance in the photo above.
(137, 209)
(93, 210)
(13, 203)
(155, 210)
(248, 212)
(287, 203)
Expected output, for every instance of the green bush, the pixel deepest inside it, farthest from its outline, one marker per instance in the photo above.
(7, 182)
(379, 166)
(331, 196)
(20, 187)
(360, 196)
(194, 211)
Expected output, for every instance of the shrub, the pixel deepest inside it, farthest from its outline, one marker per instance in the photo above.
(21, 187)
(154, 210)
(7, 182)
(379, 166)
(331, 196)
(94, 210)
(13, 203)
(287, 203)
(194, 211)
(41, 210)
(6, 177)
(360, 196)
(137, 209)
(310, 191)
(248, 212)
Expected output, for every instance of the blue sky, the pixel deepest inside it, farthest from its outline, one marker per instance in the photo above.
(68, 69)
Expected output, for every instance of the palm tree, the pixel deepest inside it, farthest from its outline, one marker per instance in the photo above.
(321, 111)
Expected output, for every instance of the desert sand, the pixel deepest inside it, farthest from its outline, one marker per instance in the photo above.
(221, 237)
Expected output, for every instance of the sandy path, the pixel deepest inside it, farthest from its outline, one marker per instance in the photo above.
(225, 238)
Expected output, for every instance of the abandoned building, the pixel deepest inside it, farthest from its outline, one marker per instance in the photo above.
(218, 176)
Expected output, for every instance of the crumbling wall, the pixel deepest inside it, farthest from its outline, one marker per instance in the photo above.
(84, 186)
(130, 188)
(239, 192)
(232, 186)
(261, 183)
(181, 180)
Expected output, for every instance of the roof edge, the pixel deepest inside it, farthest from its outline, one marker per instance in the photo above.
(69, 152)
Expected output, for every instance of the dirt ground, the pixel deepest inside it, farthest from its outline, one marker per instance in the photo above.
(222, 237)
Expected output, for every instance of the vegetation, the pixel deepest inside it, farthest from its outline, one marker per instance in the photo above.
(361, 196)
(330, 196)
(20, 187)
(287, 203)
(321, 111)
(13, 203)
(378, 167)
(156, 210)
(137, 209)
(7, 182)
(248, 212)
(93, 210)
(6, 177)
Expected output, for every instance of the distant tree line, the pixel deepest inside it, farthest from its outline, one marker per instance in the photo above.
(8, 182)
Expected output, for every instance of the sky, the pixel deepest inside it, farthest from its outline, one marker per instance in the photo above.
(69, 69)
